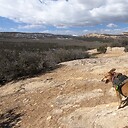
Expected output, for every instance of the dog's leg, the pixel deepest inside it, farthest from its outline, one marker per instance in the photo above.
(119, 99)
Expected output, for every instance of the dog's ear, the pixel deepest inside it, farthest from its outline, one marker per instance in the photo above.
(112, 70)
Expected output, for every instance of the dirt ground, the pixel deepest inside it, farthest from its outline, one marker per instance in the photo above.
(71, 96)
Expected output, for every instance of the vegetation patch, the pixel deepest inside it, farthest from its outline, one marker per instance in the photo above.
(23, 60)
(102, 49)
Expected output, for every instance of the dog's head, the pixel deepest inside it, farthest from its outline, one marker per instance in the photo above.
(108, 76)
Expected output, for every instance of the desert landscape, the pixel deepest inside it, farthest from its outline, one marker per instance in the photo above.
(71, 96)
(63, 64)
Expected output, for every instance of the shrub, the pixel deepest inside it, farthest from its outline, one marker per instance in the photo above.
(126, 49)
(124, 43)
(16, 64)
(50, 60)
(102, 49)
(72, 54)
(30, 62)
(115, 44)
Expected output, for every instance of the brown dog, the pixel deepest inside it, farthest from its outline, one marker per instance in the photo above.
(112, 76)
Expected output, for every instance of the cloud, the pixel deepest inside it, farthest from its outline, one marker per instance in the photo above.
(63, 31)
(63, 13)
(83, 32)
(29, 26)
(111, 25)
(1, 28)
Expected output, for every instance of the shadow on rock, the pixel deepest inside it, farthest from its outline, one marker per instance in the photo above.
(10, 119)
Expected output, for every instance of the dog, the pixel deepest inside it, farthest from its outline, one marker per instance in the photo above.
(120, 83)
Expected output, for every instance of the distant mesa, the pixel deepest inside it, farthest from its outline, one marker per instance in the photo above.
(31, 35)
(105, 36)
(50, 35)
(125, 33)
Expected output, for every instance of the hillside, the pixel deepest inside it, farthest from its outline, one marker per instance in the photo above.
(71, 96)
(17, 35)
(16, 39)
(107, 36)
(49, 35)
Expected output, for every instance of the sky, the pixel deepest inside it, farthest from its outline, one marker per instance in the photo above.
(72, 17)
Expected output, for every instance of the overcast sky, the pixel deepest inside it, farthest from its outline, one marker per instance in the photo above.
(75, 17)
